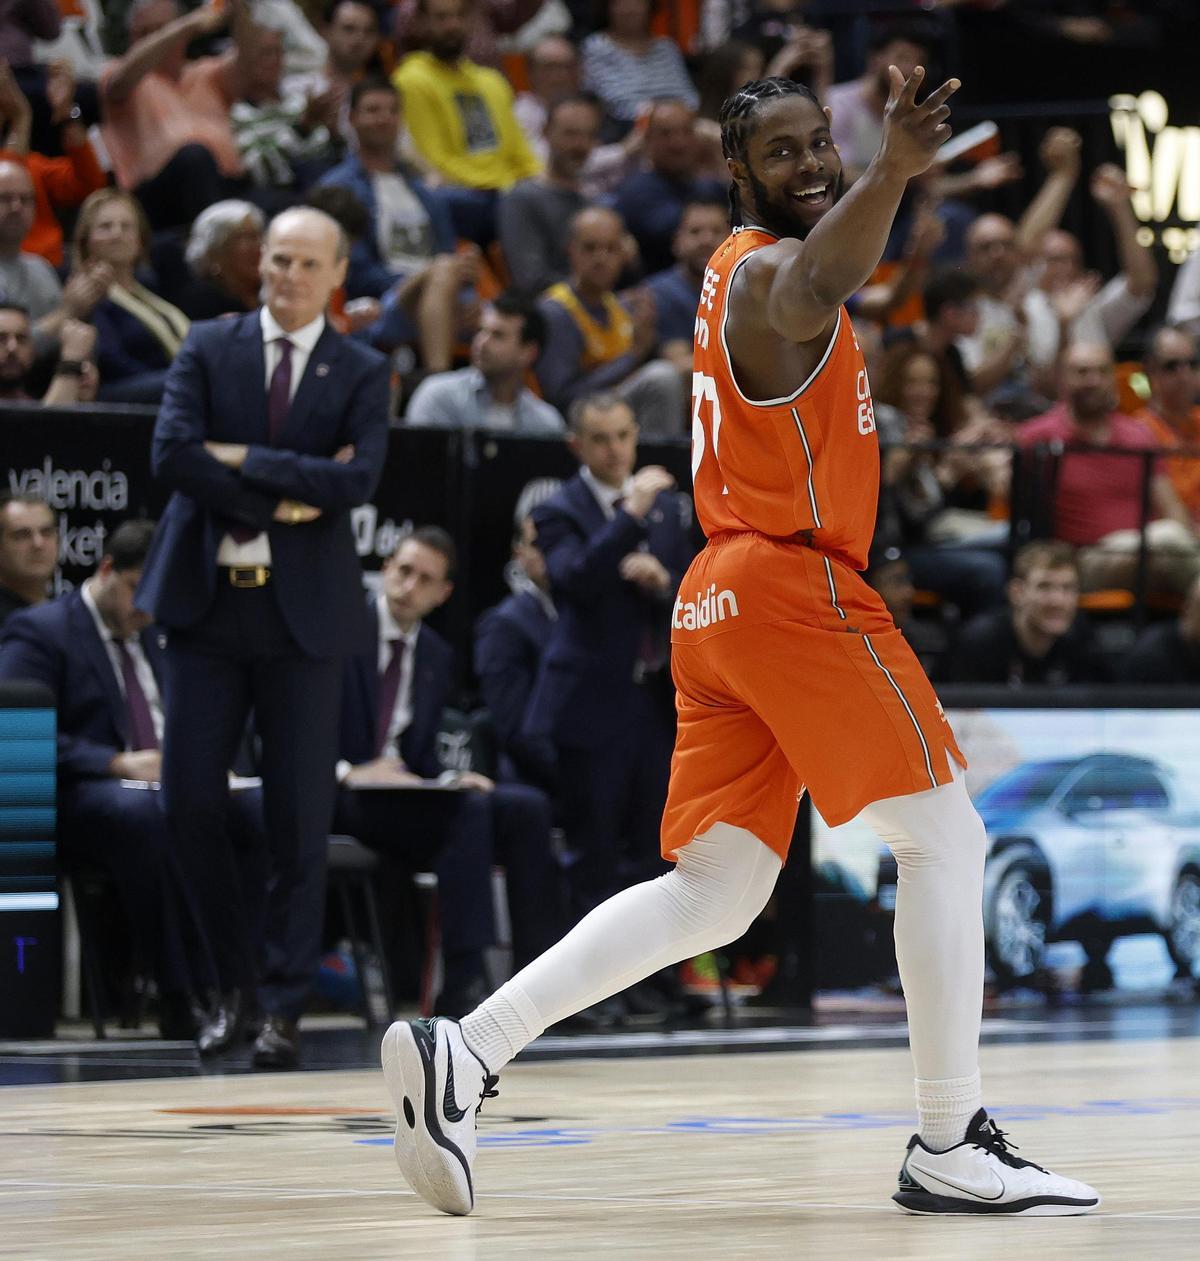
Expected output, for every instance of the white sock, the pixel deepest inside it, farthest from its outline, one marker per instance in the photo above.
(720, 883)
(504, 1024)
(944, 1108)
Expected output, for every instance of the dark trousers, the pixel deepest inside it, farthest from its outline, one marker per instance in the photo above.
(458, 836)
(189, 182)
(123, 831)
(611, 799)
(240, 658)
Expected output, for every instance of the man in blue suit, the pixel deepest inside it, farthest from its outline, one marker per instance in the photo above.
(406, 256)
(104, 664)
(510, 641)
(616, 545)
(393, 702)
(272, 428)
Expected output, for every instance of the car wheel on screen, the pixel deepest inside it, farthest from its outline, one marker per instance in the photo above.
(1017, 919)
(1183, 927)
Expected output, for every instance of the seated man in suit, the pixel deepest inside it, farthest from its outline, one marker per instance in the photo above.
(392, 707)
(96, 653)
(510, 640)
(616, 545)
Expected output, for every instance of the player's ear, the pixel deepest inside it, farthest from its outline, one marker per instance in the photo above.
(828, 114)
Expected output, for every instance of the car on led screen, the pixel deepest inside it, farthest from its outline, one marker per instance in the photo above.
(1088, 849)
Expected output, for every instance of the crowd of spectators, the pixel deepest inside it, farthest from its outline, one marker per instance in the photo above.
(531, 192)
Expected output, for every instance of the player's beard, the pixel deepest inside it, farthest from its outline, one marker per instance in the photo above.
(778, 214)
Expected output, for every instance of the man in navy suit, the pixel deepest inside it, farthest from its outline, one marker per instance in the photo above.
(510, 641)
(104, 664)
(272, 428)
(616, 545)
(393, 703)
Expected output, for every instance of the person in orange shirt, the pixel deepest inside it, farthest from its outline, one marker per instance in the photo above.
(63, 181)
(166, 119)
(1171, 413)
(789, 672)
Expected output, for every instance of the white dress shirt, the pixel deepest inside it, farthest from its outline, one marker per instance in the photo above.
(606, 496)
(145, 674)
(257, 551)
(389, 633)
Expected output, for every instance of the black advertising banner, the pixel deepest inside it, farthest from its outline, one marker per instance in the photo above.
(93, 468)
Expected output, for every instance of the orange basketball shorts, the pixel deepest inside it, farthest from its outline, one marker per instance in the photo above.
(790, 675)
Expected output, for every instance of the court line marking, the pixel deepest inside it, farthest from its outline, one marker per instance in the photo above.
(664, 1200)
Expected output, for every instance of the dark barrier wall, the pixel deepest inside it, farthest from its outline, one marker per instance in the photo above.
(94, 468)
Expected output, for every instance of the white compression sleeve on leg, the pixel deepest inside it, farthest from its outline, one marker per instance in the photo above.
(720, 883)
(939, 842)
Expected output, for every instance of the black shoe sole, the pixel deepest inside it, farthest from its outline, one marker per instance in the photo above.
(1051, 1206)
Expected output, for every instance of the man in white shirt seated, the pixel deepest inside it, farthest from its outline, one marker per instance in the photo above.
(492, 393)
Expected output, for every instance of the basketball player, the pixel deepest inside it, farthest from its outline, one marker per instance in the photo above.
(790, 675)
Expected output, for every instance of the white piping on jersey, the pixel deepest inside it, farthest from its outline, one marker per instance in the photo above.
(833, 589)
(769, 402)
(933, 783)
(812, 494)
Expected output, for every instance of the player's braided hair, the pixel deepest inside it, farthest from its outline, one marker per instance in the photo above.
(738, 112)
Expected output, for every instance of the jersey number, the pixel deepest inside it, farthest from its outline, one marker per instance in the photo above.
(704, 390)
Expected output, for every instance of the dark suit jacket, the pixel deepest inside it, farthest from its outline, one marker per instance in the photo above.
(216, 391)
(57, 644)
(433, 680)
(587, 673)
(510, 641)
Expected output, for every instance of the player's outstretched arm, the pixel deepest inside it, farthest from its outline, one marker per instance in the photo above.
(806, 281)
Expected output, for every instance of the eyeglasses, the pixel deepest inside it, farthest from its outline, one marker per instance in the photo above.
(1173, 365)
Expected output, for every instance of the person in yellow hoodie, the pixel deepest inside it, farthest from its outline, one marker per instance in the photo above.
(460, 116)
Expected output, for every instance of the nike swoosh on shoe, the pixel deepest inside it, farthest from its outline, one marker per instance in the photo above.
(995, 1187)
(450, 1109)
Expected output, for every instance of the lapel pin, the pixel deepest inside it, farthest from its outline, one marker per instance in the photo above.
(322, 369)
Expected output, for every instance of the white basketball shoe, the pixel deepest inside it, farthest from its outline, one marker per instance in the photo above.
(981, 1175)
(438, 1085)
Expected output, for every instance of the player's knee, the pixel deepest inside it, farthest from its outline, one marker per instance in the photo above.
(725, 878)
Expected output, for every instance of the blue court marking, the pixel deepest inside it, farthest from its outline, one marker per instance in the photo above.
(826, 1122)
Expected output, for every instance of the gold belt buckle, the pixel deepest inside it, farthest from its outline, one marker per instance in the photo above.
(249, 575)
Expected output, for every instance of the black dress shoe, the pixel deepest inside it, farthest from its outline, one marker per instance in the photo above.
(277, 1045)
(225, 1025)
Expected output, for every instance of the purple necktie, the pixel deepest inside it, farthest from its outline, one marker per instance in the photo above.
(279, 400)
(389, 689)
(279, 393)
(141, 722)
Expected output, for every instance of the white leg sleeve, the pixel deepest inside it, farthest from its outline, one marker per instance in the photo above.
(940, 844)
(720, 883)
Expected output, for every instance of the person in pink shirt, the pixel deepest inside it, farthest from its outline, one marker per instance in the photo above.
(166, 119)
(1097, 485)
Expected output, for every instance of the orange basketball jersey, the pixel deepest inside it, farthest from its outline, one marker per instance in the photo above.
(809, 461)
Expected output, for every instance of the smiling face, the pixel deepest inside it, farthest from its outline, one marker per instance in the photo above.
(114, 235)
(1046, 600)
(791, 175)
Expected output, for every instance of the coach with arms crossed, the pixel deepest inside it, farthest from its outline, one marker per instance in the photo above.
(272, 428)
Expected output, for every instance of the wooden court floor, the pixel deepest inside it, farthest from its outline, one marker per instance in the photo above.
(700, 1156)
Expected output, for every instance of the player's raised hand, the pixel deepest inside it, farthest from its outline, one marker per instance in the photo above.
(912, 133)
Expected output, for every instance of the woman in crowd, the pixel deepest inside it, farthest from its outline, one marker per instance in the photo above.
(626, 66)
(222, 255)
(138, 333)
(936, 503)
